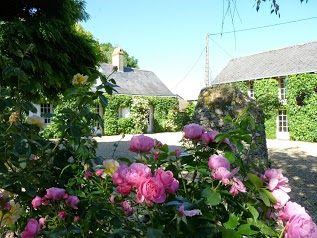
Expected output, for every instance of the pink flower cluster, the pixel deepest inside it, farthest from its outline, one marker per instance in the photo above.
(32, 228)
(277, 184)
(298, 223)
(149, 188)
(141, 143)
(198, 133)
(221, 171)
(55, 194)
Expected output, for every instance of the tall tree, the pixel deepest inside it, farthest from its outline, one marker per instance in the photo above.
(41, 37)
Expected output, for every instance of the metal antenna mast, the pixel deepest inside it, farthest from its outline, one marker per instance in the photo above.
(207, 81)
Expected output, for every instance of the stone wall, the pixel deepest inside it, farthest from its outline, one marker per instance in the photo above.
(214, 103)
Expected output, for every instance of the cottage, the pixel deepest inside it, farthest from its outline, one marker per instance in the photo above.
(279, 65)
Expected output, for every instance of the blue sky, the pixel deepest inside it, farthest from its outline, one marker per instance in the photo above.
(168, 37)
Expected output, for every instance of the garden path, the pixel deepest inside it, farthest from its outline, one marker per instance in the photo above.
(297, 160)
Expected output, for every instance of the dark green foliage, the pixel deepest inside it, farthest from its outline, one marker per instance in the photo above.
(302, 117)
(50, 38)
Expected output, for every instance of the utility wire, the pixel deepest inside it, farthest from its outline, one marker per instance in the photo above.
(220, 47)
(260, 27)
(190, 68)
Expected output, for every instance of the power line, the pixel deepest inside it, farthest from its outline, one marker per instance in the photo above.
(260, 27)
(220, 47)
(190, 69)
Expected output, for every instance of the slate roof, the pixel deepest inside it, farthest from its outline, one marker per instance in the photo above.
(136, 82)
(275, 63)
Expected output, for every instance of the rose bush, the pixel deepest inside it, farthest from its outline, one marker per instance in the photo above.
(61, 188)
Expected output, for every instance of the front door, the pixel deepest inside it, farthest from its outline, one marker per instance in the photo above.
(282, 132)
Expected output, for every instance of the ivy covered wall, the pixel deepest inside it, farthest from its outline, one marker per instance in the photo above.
(301, 107)
(166, 114)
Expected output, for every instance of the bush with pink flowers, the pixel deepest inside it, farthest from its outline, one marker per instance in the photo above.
(207, 188)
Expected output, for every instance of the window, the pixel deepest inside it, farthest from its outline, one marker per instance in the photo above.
(251, 89)
(124, 112)
(282, 121)
(282, 89)
(46, 108)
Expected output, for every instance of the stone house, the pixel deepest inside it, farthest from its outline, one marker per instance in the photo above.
(129, 81)
(276, 64)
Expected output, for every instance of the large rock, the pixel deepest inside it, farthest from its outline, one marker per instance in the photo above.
(215, 103)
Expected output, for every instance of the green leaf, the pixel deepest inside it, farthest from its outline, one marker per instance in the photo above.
(268, 231)
(213, 197)
(3, 168)
(221, 137)
(58, 232)
(103, 100)
(256, 181)
(74, 229)
(164, 148)
(247, 229)
(155, 233)
(264, 198)
(269, 195)
(252, 122)
(229, 233)
(254, 212)
(232, 223)
(230, 156)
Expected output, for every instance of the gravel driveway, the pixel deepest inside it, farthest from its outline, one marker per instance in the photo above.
(297, 160)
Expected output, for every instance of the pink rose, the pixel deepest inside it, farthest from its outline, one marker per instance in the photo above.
(156, 156)
(209, 136)
(127, 208)
(188, 213)
(62, 214)
(291, 209)
(72, 201)
(136, 173)
(237, 186)
(76, 218)
(88, 174)
(222, 174)
(27, 234)
(151, 190)
(124, 189)
(31, 229)
(276, 180)
(193, 131)
(217, 161)
(281, 198)
(42, 221)
(99, 172)
(167, 179)
(118, 177)
(55, 193)
(177, 152)
(36, 202)
(141, 143)
(300, 226)
(112, 199)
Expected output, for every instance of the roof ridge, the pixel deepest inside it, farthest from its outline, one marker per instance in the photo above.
(274, 50)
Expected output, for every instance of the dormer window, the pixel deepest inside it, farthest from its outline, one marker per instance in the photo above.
(251, 89)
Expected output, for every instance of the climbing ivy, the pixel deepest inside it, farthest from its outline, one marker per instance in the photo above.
(166, 115)
(302, 107)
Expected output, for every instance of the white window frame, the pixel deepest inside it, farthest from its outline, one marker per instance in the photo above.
(46, 108)
(251, 89)
(282, 121)
(282, 90)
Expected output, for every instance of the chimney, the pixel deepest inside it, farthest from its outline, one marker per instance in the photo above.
(117, 58)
